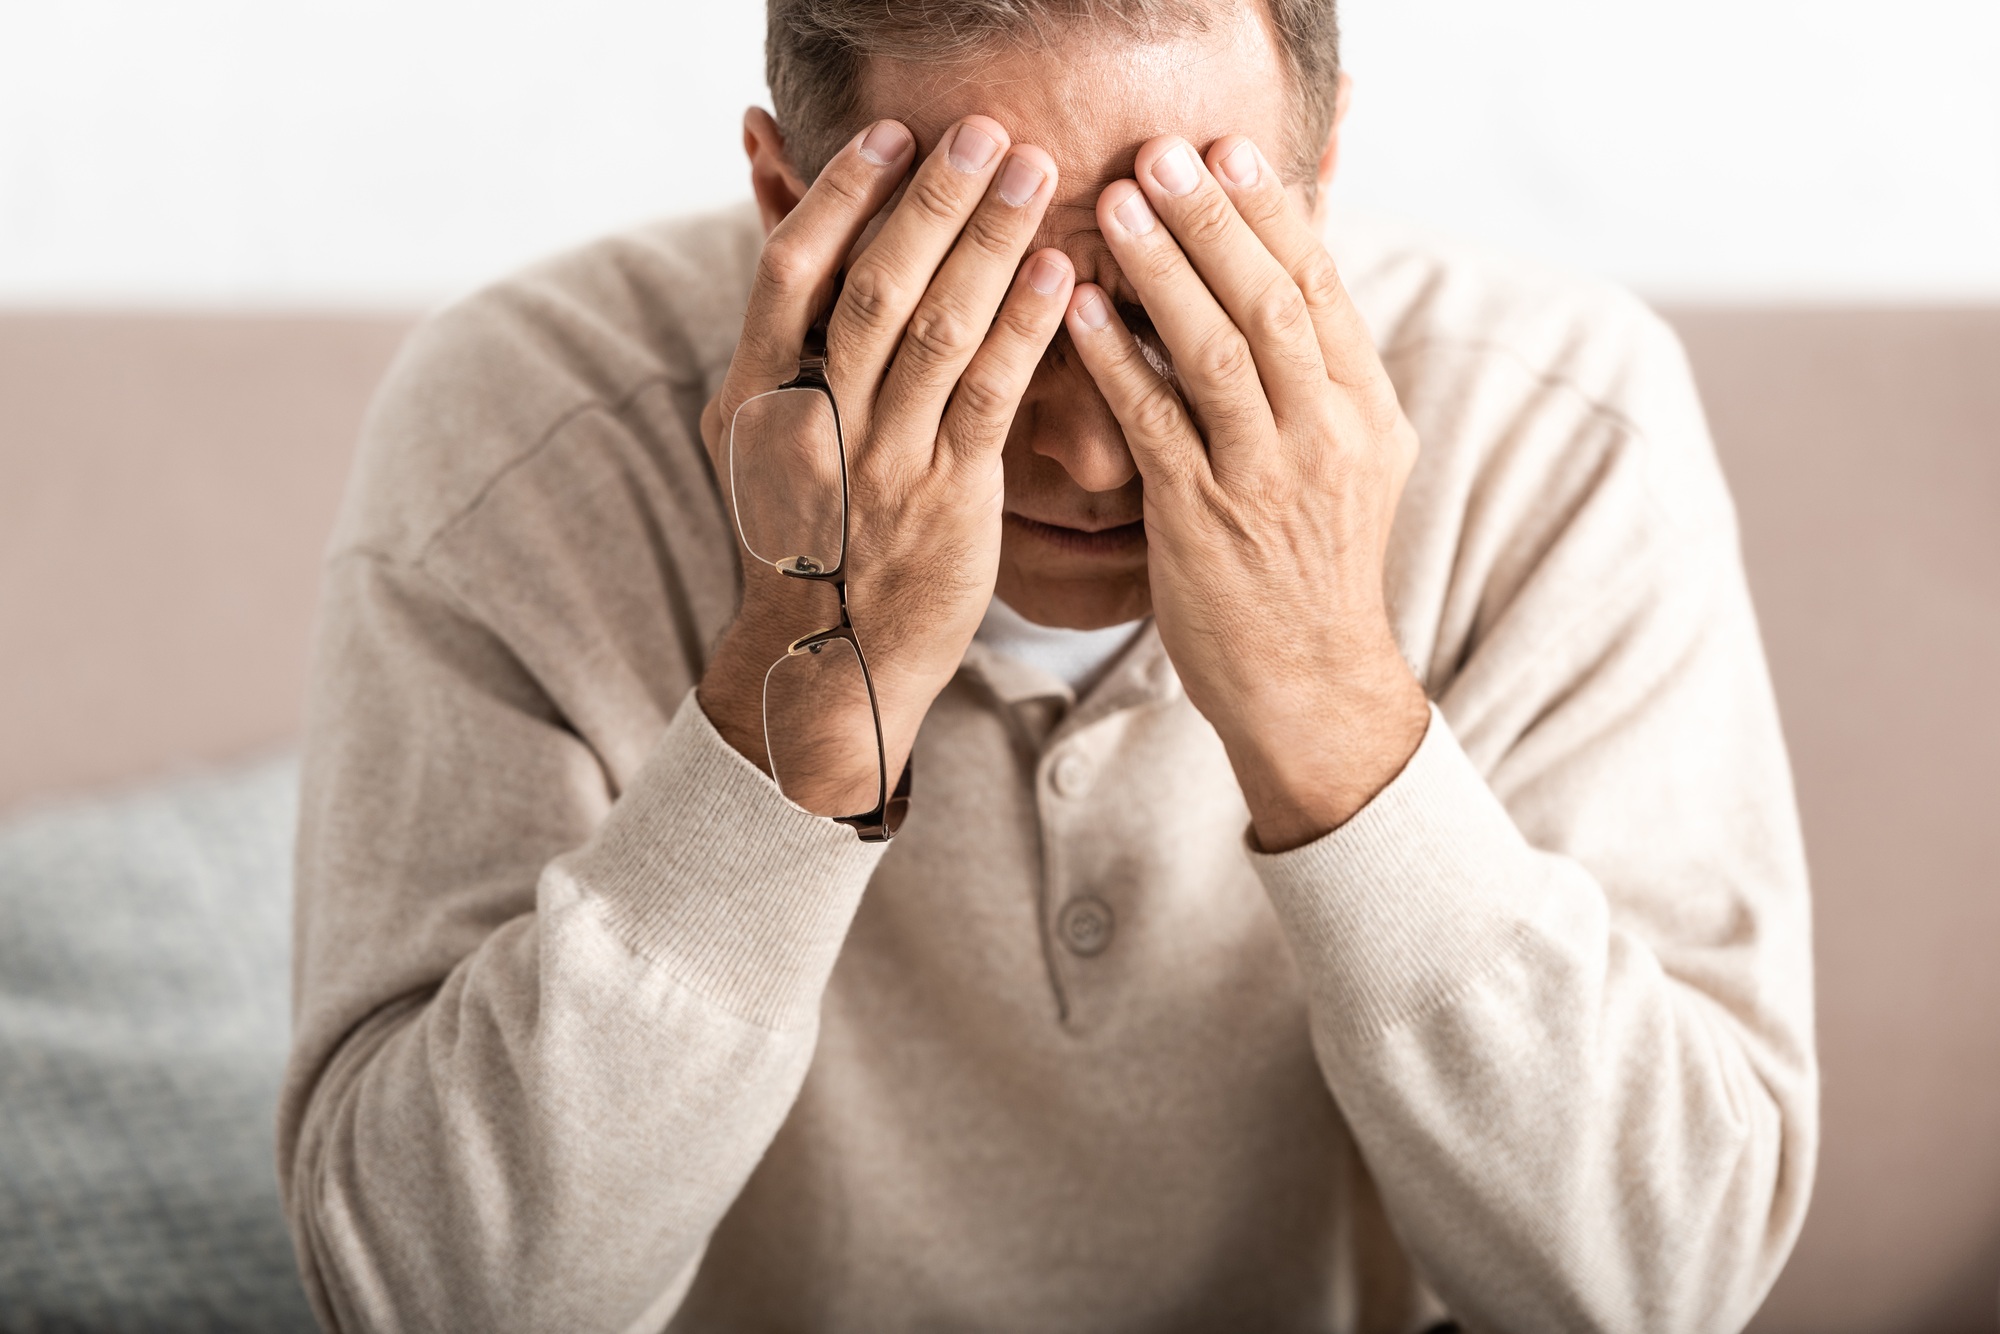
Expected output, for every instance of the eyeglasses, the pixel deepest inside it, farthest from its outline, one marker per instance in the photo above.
(788, 483)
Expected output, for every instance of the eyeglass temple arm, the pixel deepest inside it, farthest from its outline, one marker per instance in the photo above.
(812, 354)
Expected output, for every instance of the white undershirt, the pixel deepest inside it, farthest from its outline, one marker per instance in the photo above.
(1074, 657)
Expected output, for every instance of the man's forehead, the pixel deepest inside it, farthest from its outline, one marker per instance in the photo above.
(1090, 96)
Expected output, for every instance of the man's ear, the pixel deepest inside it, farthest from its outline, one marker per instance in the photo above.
(1329, 157)
(772, 177)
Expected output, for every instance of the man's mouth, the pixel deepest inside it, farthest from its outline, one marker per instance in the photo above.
(1105, 540)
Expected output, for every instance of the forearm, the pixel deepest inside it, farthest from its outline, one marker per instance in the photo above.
(637, 1039)
(1567, 1136)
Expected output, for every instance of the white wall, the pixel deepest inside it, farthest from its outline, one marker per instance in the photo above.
(393, 152)
(1818, 149)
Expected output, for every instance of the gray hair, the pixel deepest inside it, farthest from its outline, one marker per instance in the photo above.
(813, 51)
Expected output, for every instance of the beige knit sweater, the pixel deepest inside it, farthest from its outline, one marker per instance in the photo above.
(596, 1032)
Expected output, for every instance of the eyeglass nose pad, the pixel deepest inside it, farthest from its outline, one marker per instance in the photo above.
(813, 642)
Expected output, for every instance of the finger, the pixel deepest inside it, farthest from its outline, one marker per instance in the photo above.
(887, 280)
(1212, 359)
(795, 271)
(1252, 286)
(1346, 345)
(989, 392)
(1163, 440)
(951, 321)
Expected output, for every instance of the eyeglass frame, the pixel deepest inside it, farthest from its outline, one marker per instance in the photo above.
(876, 825)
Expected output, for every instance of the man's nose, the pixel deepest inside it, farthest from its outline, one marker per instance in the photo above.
(1074, 426)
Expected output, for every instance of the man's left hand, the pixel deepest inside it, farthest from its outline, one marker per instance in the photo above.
(1271, 480)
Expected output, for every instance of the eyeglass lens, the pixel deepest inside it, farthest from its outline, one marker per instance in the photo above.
(820, 729)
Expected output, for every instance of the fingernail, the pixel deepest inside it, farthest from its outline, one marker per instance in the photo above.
(971, 148)
(1241, 166)
(1019, 180)
(885, 143)
(1176, 170)
(1045, 275)
(1133, 215)
(1093, 313)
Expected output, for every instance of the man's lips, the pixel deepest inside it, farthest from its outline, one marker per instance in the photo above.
(1105, 539)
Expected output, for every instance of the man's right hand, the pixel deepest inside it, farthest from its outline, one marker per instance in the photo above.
(938, 328)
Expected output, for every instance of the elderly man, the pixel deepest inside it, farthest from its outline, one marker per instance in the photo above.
(1344, 874)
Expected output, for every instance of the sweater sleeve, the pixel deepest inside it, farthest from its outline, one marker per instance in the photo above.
(543, 1033)
(1560, 968)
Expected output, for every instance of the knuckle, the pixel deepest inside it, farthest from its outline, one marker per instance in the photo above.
(936, 335)
(1260, 205)
(871, 296)
(878, 476)
(1019, 323)
(844, 184)
(1408, 450)
(1206, 219)
(990, 234)
(1278, 309)
(1319, 283)
(983, 398)
(785, 264)
(932, 195)
(1161, 264)
(1222, 356)
(1394, 428)
(1157, 413)
(1268, 498)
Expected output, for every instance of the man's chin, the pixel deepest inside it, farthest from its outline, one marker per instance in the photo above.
(1058, 580)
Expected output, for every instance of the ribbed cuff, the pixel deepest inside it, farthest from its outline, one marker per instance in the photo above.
(1397, 912)
(704, 868)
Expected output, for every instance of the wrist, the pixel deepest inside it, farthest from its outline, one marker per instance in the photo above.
(1309, 760)
(731, 694)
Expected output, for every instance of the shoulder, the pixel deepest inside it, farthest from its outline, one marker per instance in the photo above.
(1436, 301)
(639, 325)
(1510, 368)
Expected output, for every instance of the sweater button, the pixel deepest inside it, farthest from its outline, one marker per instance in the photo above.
(1071, 776)
(1085, 925)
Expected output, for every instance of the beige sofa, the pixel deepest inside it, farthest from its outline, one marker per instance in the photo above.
(166, 484)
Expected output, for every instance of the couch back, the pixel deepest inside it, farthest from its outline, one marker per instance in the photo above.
(166, 485)
(1864, 451)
